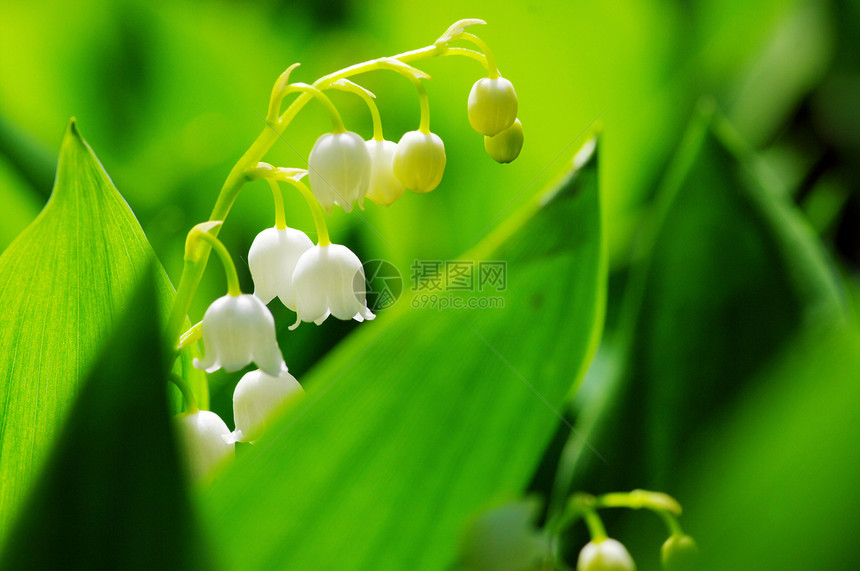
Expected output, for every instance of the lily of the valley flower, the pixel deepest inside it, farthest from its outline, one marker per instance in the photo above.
(492, 105)
(506, 145)
(272, 259)
(205, 441)
(257, 398)
(605, 555)
(329, 280)
(419, 161)
(236, 331)
(385, 187)
(339, 170)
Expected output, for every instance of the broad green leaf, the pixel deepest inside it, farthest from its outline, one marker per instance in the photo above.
(730, 274)
(425, 417)
(63, 282)
(780, 491)
(112, 494)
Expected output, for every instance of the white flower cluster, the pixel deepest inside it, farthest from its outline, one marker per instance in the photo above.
(326, 279)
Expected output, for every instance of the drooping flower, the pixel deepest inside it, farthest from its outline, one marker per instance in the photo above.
(492, 105)
(605, 555)
(272, 259)
(205, 441)
(419, 161)
(339, 170)
(257, 398)
(236, 331)
(385, 187)
(329, 280)
(505, 146)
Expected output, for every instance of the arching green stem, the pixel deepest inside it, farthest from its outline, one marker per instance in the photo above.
(187, 393)
(280, 215)
(336, 120)
(319, 218)
(594, 524)
(199, 233)
(367, 97)
(492, 70)
(424, 125)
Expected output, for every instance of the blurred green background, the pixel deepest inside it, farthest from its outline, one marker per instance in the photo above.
(169, 94)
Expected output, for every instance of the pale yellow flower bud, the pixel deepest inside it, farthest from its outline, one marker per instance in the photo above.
(506, 146)
(419, 161)
(492, 105)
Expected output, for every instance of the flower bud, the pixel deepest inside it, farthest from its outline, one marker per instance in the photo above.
(679, 553)
(259, 397)
(339, 170)
(329, 280)
(385, 187)
(272, 259)
(419, 161)
(506, 146)
(205, 442)
(236, 331)
(605, 555)
(492, 105)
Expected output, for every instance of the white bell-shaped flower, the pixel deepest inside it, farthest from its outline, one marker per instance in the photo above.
(419, 161)
(339, 170)
(385, 187)
(272, 259)
(492, 105)
(506, 145)
(258, 398)
(329, 280)
(236, 331)
(205, 442)
(605, 555)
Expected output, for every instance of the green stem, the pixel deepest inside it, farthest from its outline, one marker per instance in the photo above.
(336, 120)
(319, 218)
(492, 70)
(367, 97)
(424, 125)
(672, 523)
(594, 524)
(280, 215)
(187, 393)
(232, 276)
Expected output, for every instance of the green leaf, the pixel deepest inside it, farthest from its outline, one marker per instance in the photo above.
(424, 418)
(780, 490)
(63, 282)
(731, 273)
(112, 495)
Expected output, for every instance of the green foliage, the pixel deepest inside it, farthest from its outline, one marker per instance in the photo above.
(64, 280)
(416, 397)
(112, 494)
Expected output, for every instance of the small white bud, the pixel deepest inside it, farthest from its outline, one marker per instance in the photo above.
(419, 161)
(385, 187)
(492, 105)
(605, 555)
(339, 170)
(272, 260)
(205, 442)
(236, 331)
(259, 397)
(505, 146)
